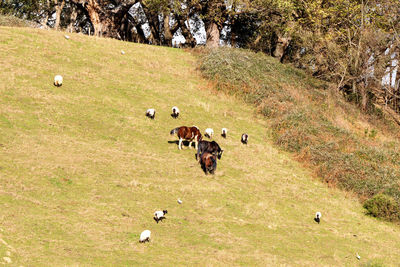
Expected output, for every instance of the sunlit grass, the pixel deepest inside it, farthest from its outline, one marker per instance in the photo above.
(82, 169)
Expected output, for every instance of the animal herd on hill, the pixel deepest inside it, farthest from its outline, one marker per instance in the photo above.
(207, 152)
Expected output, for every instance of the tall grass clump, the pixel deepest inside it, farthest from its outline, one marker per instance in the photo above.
(12, 21)
(312, 121)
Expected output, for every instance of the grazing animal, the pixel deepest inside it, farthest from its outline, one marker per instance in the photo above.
(209, 133)
(192, 134)
(317, 217)
(245, 138)
(151, 113)
(66, 37)
(208, 162)
(58, 80)
(224, 132)
(122, 52)
(179, 201)
(210, 147)
(160, 215)
(175, 112)
(145, 236)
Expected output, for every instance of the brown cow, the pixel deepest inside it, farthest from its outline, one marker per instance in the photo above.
(187, 133)
(208, 162)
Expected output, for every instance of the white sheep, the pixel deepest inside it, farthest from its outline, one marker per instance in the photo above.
(245, 138)
(209, 133)
(159, 215)
(175, 112)
(58, 80)
(145, 236)
(151, 113)
(224, 132)
(317, 217)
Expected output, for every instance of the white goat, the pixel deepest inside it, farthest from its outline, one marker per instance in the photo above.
(145, 236)
(58, 80)
(209, 133)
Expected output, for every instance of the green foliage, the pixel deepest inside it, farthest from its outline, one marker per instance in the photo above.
(383, 206)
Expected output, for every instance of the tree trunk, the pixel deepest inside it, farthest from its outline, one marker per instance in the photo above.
(280, 49)
(72, 18)
(93, 11)
(46, 18)
(190, 41)
(139, 35)
(167, 31)
(212, 35)
(59, 8)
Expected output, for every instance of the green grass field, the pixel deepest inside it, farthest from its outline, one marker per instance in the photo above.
(82, 169)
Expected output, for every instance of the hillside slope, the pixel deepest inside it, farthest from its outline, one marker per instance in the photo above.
(82, 169)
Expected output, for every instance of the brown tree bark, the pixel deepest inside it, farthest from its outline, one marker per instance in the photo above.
(213, 34)
(72, 18)
(190, 41)
(59, 8)
(46, 19)
(280, 49)
(167, 31)
(93, 10)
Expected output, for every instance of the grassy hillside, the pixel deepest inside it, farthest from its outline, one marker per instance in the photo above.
(348, 149)
(82, 169)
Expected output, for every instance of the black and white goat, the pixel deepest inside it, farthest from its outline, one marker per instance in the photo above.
(245, 138)
(175, 112)
(317, 217)
(224, 132)
(151, 113)
(209, 133)
(159, 215)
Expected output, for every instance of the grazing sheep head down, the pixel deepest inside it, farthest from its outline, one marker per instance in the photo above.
(175, 112)
(224, 132)
(151, 113)
(58, 80)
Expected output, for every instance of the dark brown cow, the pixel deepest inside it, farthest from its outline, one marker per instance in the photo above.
(208, 162)
(192, 134)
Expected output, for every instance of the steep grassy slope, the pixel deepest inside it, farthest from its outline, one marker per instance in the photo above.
(346, 148)
(82, 169)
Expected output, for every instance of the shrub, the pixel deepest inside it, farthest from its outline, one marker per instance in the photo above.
(383, 206)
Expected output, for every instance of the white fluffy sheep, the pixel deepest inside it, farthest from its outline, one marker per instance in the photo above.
(145, 236)
(224, 132)
(175, 112)
(317, 217)
(245, 138)
(159, 215)
(209, 133)
(151, 113)
(58, 80)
